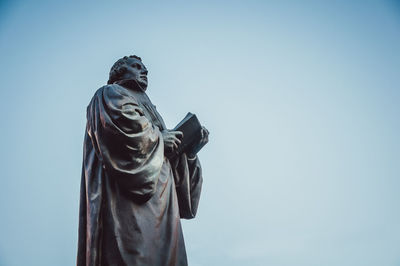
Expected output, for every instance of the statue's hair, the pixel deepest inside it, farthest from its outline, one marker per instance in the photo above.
(119, 69)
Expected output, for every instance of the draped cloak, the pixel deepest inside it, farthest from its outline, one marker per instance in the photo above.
(132, 197)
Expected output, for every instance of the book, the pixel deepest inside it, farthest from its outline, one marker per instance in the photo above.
(191, 129)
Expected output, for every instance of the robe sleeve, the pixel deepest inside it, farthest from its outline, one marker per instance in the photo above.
(128, 145)
(188, 181)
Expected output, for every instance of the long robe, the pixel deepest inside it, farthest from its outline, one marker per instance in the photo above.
(132, 197)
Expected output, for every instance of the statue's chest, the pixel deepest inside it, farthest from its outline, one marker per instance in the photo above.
(149, 110)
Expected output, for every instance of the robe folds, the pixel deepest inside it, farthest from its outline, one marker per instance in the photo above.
(132, 197)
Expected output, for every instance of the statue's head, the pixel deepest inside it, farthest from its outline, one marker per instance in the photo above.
(129, 67)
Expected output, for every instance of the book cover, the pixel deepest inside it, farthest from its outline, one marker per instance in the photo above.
(191, 128)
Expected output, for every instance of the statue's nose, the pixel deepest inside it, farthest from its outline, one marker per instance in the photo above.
(144, 71)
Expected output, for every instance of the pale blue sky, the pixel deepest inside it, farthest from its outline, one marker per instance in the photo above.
(301, 99)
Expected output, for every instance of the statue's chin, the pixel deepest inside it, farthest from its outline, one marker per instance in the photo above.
(143, 85)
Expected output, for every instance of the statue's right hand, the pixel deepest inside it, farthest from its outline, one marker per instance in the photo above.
(172, 139)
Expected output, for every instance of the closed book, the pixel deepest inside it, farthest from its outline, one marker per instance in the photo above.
(191, 129)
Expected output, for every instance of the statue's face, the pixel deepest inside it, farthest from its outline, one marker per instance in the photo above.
(137, 71)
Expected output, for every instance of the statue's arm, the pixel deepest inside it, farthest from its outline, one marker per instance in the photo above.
(129, 146)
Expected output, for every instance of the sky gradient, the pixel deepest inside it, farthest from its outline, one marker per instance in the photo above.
(301, 101)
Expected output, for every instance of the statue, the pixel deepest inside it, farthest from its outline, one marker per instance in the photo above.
(135, 187)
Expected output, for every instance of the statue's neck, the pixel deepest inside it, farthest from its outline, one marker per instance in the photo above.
(131, 84)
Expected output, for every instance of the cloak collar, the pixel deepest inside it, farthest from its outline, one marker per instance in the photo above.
(131, 84)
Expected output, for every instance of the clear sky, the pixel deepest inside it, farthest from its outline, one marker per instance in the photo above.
(301, 98)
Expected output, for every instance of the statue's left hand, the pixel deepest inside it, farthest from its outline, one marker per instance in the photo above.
(203, 141)
(204, 135)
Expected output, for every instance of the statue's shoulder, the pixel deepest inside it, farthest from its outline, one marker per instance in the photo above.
(105, 94)
(112, 94)
(111, 89)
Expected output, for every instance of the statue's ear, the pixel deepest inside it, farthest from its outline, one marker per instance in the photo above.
(121, 70)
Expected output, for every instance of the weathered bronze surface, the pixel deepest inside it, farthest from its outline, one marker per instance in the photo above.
(133, 190)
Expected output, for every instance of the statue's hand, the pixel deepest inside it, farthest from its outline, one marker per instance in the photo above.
(203, 141)
(204, 135)
(172, 139)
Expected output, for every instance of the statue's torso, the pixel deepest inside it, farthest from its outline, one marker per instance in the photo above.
(148, 108)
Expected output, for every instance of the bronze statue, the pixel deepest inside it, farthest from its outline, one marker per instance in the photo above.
(135, 187)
